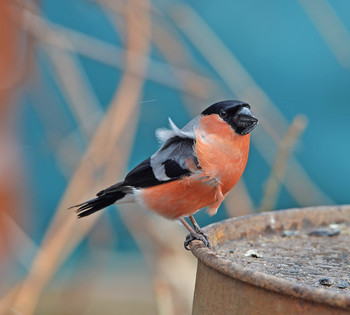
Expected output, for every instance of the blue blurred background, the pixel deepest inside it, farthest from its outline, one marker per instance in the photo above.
(95, 79)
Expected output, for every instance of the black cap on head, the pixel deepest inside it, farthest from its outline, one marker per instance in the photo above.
(236, 113)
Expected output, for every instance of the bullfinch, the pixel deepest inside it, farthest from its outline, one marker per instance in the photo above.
(195, 167)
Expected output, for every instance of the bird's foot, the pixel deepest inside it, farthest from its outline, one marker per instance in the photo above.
(200, 235)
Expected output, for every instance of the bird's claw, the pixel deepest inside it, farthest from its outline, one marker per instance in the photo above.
(200, 236)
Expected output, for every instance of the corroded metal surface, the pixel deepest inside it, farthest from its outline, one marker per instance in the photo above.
(223, 286)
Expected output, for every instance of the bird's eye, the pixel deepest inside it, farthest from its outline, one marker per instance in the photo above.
(223, 114)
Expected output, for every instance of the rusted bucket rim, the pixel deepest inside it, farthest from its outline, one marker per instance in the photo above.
(259, 279)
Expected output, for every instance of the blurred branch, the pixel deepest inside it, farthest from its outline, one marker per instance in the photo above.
(235, 76)
(77, 42)
(173, 49)
(15, 54)
(76, 87)
(330, 27)
(22, 245)
(14, 64)
(15, 50)
(297, 182)
(243, 85)
(165, 304)
(279, 166)
(65, 232)
(161, 242)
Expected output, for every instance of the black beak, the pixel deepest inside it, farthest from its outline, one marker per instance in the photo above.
(245, 121)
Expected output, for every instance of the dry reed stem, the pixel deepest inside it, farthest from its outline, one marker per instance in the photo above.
(229, 68)
(304, 192)
(14, 66)
(21, 242)
(15, 48)
(77, 42)
(76, 88)
(7, 300)
(242, 84)
(161, 242)
(117, 161)
(279, 166)
(15, 56)
(330, 27)
(64, 232)
(164, 301)
(174, 50)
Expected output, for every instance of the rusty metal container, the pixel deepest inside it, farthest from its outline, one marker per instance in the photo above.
(228, 281)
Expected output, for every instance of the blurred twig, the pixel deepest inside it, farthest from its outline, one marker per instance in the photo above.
(15, 53)
(279, 166)
(14, 64)
(15, 57)
(77, 42)
(76, 87)
(161, 242)
(23, 245)
(224, 62)
(163, 297)
(174, 50)
(64, 232)
(330, 27)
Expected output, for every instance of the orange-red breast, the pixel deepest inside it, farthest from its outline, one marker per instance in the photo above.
(195, 167)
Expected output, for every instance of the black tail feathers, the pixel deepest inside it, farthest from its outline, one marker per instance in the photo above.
(104, 199)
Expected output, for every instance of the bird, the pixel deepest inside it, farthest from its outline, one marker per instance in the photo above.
(194, 168)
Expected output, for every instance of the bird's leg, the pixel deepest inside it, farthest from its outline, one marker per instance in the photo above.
(198, 229)
(195, 224)
(196, 234)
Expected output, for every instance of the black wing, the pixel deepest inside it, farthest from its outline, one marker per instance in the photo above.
(167, 164)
